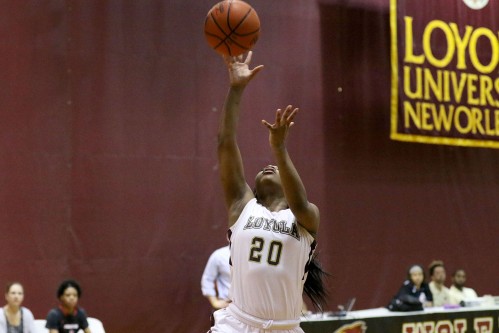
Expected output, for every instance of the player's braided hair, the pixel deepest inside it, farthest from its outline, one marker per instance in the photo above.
(314, 286)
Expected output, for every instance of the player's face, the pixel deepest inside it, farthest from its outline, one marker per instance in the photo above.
(15, 295)
(70, 297)
(268, 172)
(268, 176)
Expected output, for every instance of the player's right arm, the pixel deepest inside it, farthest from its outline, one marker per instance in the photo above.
(236, 191)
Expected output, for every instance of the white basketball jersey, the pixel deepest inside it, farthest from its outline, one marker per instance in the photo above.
(269, 254)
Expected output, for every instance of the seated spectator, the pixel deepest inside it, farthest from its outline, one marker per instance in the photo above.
(439, 291)
(414, 293)
(67, 317)
(458, 293)
(15, 318)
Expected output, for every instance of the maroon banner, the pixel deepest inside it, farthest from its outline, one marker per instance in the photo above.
(445, 84)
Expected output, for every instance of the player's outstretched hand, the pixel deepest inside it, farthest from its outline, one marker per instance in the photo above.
(239, 72)
(278, 131)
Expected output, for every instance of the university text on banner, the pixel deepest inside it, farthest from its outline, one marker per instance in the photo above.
(445, 64)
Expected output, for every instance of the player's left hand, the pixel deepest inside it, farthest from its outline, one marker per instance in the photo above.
(278, 131)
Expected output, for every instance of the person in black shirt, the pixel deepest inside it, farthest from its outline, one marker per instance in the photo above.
(67, 317)
(414, 293)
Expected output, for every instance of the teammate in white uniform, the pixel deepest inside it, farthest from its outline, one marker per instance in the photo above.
(272, 228)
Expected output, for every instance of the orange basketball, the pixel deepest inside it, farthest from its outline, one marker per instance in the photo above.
(232, 27)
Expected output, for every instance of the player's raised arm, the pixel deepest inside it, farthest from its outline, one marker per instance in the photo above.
(307, 214)
(236, 191)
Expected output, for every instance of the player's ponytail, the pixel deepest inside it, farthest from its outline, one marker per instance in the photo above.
(314, 286)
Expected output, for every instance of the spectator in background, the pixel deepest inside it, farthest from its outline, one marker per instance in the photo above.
(414, 293)
(439, 291)
(215, 282)
(15, 318)
(67, 317)
(458, 293)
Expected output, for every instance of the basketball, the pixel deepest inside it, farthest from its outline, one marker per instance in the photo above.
(232, 27)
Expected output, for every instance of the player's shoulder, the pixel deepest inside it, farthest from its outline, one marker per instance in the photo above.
(240, 211)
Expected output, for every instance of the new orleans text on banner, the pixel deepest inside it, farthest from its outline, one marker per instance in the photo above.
(445, 83)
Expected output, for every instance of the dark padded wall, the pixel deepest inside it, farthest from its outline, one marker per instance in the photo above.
(109, 112)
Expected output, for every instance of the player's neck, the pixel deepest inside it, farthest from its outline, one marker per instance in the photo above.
(274, 204)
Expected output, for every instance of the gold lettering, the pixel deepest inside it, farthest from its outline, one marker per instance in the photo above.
(477, 120)
(496, 85)
(488, 129)
(409, 44)
(486, 86)
(461, 43)
(426, 116)
(443, 117)
(451, 46)
(418, 92)
(446, 88)
(457, 121)
(479, 32)
(458, 88)
(411, 114)
(472, 78)
(431, 84)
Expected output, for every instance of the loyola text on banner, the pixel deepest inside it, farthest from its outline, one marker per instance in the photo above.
(445, 83)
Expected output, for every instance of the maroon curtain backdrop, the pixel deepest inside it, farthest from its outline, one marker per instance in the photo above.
(108, 120)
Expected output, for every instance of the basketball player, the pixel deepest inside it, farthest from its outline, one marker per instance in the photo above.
(272, 228)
